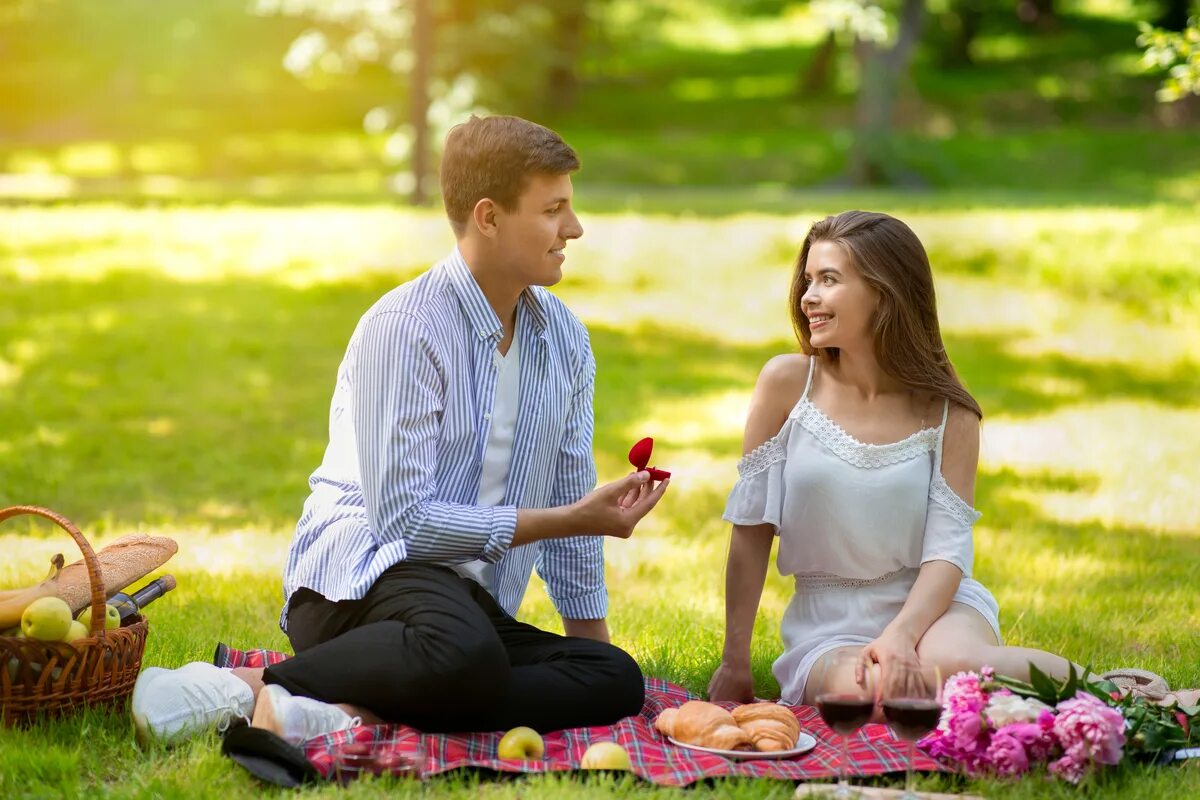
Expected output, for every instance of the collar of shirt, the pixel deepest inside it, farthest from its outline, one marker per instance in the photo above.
(479, 311)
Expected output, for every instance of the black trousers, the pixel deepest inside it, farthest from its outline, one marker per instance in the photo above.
(434, 650)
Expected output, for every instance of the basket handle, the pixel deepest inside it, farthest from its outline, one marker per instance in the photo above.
(95, 576)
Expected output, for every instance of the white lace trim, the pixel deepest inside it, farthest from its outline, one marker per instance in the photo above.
(941, 492)
(824, 581)
(862, 454)
(768, 453)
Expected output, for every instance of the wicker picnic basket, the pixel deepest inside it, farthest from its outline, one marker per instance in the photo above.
(55, 678)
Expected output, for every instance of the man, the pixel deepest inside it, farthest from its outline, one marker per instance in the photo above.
(460, 457)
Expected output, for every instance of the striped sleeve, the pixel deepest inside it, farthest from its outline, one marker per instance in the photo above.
(573, 568)
(398, 407)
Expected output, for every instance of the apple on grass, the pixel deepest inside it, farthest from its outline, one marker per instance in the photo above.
(521, 744)
(606, 755)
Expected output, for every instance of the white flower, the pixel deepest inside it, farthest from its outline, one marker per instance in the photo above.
(1004, 709)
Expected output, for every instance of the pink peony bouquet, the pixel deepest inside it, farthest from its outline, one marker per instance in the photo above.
(993, 725)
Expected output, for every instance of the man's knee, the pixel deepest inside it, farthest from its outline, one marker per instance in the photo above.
(625, 685)
(477, 672)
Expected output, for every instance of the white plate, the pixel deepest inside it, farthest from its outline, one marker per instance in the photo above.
(803, 744)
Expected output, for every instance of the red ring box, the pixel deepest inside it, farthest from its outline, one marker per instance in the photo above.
(639, 456)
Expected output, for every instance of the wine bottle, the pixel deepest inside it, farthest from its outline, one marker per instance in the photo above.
(129, 606)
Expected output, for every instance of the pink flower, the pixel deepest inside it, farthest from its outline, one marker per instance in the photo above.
(1006, 754)
(961, 735)
(1037, 740)
(1089, 730)
(1068, 769)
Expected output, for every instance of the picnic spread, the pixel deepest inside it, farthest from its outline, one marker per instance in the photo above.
(652, 756)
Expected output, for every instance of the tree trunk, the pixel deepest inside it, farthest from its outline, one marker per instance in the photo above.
(816, 79)
(1040, 14)
(418, 94)
(882, 71)
(563, 80)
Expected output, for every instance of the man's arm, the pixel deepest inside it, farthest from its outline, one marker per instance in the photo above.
(399, 398)
(573, 568)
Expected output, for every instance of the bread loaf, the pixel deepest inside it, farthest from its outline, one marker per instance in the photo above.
(122, 562)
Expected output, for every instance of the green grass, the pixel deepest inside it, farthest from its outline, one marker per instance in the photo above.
(169, 370)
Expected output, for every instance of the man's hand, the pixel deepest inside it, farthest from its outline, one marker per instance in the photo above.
(731, 683)
(616, 508)
(613, 509)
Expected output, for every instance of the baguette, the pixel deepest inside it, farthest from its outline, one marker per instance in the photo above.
(122, 562)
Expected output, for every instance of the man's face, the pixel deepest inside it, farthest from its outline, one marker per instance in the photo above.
(530, 239)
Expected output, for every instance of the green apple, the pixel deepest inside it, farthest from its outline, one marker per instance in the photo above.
(606, 755)
(112, 617)
(47, 618)
(77, 631)
(522, 744)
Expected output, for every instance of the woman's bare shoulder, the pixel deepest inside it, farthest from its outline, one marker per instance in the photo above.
(783, 377)
(780, 384)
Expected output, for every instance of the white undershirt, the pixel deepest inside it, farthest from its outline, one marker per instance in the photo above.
(497, 457)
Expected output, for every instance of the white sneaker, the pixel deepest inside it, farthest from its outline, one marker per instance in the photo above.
(296, 719)
(174, 704)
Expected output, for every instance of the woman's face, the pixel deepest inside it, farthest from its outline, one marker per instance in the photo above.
(837, 301)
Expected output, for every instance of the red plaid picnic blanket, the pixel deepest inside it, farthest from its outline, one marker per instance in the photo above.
(872, 752)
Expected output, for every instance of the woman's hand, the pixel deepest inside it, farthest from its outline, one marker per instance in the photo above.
(891, 645)
(731, 683)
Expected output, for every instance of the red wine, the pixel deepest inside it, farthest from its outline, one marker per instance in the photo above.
(845, 713)
(911, 718)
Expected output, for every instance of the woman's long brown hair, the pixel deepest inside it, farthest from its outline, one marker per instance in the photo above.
(908, 340)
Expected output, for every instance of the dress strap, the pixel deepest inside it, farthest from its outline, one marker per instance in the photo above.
(941, 437)
(812, 365)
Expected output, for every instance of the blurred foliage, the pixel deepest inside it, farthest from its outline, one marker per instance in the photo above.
(193, 101)
(1178, 53)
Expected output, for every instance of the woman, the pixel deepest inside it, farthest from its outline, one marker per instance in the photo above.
(860, 454)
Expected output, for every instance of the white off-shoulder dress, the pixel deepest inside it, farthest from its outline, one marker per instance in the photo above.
(855, 523)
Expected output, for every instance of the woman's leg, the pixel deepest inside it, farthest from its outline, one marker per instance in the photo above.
(961, 640)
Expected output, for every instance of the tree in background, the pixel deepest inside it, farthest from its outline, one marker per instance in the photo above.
(883, 66)
(1176, 52)
(448, 58)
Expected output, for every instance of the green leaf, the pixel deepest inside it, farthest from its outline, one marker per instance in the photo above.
(1044, 685)
(1153, 738)
(1015, 686)
(1072, 684)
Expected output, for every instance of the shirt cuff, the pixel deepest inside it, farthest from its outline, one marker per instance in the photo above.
(503, 526)
(593, 605)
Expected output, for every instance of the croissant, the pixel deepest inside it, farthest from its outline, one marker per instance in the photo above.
(704, 724)
(770, 726)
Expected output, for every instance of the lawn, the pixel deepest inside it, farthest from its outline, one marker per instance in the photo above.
(168, 370)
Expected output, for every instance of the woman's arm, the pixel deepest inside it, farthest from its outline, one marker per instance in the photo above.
(938, 580)
(779, 384)
(745, 574)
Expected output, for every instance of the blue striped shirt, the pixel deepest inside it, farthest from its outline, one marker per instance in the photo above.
(408, 426)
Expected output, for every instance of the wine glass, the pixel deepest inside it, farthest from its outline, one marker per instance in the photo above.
(846, 704)
(912, 705)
